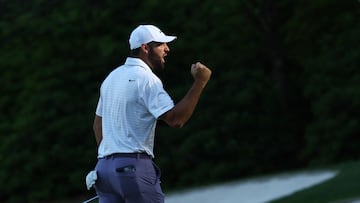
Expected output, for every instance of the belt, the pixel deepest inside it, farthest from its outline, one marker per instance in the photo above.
(129, 155)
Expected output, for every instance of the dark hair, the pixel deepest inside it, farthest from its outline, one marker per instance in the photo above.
(154, 44)
(136, 52)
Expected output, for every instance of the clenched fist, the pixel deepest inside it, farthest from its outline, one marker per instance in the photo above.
(200, 72)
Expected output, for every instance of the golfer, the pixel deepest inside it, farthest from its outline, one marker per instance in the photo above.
(132, 99)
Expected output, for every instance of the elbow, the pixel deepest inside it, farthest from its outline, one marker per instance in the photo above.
(176, 124)
(173, 119)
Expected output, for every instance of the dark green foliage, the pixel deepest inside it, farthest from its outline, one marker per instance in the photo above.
(332, 80)
(284, 91)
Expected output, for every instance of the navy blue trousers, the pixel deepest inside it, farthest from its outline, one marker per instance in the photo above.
(128, 180)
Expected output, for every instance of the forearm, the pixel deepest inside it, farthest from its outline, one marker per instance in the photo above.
(183, 110)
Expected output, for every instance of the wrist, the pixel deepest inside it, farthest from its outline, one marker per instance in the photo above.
(200, 83)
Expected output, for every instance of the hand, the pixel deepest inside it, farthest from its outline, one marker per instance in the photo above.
(200, 72)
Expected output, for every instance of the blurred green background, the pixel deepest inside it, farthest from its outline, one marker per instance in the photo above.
(284, 94)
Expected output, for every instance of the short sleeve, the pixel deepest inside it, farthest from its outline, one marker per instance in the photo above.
(99, 108)
(157, 100)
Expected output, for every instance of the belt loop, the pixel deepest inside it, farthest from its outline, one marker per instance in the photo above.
(137, 155)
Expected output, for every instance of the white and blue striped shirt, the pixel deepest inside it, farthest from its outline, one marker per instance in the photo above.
(131, 100)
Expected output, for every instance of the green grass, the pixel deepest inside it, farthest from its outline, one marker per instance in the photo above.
(344, 186)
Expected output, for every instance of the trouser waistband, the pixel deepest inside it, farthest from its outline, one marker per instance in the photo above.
(129, 155)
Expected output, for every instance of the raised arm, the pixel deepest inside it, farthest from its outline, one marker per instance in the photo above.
(182, 111)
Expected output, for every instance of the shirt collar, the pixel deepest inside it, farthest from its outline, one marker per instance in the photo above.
(131, 61)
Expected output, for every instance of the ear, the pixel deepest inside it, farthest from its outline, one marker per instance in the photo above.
(145, 48)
